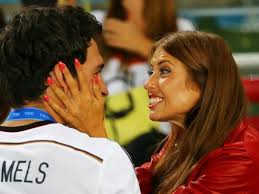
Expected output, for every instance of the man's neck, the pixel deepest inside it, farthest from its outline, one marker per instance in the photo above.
(38, 105)
(35, 105)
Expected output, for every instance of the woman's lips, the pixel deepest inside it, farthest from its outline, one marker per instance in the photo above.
(153, 101)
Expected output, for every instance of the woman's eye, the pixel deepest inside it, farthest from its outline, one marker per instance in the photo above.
(150, 72)
(164, 71)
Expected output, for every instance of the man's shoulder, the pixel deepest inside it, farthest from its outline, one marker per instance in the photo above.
(100, 147)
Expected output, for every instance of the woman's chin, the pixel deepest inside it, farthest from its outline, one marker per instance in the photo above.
(154, 117)
(159, 117)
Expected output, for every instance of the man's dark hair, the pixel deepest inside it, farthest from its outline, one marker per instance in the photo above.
(34, 42)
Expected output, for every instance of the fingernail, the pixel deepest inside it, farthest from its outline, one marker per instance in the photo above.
(46, 98)
(61, 65)
(77, 63)
(50, 81)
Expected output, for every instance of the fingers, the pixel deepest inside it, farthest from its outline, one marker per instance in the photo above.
(113, 40)
(112, 23)
(59, 95)
(51, 94)
(110, 36)
(58, 78)
(52, 112)
(96, 88)
(70, 81)
(80, 75)
(113, 26)
(56, 111)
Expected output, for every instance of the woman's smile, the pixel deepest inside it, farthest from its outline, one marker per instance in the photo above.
(153, 101)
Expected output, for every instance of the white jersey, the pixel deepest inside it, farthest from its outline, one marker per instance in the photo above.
(54, 159)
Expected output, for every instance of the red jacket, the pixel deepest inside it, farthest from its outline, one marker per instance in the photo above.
(230, 169)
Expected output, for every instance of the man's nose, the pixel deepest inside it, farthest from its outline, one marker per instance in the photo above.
(104, 88)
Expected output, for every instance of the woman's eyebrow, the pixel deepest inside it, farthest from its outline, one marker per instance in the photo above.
(164, 61)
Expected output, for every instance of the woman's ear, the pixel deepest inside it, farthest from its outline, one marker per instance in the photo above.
(192, 85)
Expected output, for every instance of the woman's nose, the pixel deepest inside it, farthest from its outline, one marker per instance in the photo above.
(150, 83)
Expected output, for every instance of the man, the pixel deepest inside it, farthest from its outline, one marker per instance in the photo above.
(37, 154)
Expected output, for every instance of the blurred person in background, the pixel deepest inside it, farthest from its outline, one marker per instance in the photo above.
(195, 85)
(130, 28)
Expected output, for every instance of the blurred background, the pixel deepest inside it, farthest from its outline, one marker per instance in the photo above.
(235, 20)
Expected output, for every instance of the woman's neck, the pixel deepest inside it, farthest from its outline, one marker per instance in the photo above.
(177, 129)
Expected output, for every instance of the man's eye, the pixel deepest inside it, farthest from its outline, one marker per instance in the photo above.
(99, 71)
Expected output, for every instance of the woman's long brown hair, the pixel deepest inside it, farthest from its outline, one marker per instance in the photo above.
(221, 107)
(159, 17)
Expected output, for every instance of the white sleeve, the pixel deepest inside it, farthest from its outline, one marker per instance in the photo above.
(139, 73)
(184, 24)
(118, 174)
(100, 15)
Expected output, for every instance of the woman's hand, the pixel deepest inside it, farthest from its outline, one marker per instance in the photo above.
(126, 35)
(81, 106)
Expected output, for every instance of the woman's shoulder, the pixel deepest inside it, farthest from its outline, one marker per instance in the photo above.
(246, 137)
(243, 142)
(251, 144)
(239, 149)
(236, 163)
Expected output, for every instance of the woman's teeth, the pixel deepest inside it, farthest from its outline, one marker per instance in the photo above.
(155, 100)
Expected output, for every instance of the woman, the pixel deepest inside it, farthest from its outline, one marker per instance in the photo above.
(195, 85)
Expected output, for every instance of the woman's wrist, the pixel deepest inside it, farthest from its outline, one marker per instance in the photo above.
(145, 47)
(97, 131)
